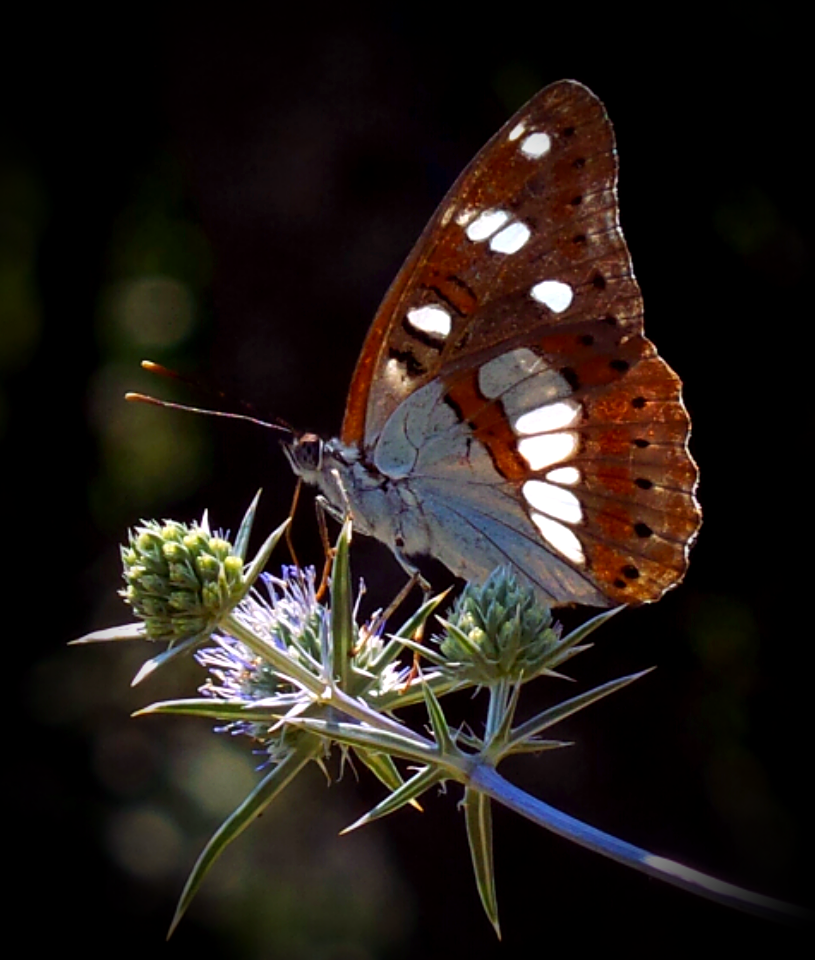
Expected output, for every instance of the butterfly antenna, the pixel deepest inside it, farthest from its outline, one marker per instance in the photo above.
(157, 368)
(154, 401)
(162, 371)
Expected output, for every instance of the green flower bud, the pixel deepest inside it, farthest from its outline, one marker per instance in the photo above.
(185, 601)
(208, 567)
(171, 531)
(196, 541)
(147, 542)
(210, 595)
(183, 575)
(149, 583)
(175, 553)
(180, 580)
(233, 568)
(153, 607)
(499, 631)
(220, 548)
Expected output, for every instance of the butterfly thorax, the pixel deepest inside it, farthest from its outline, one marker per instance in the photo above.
(380, 506)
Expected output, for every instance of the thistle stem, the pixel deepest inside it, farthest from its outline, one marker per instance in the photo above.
(320, 688)
(492, 784)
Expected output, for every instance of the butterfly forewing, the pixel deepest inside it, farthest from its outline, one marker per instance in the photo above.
(565, 198)
(519, 310)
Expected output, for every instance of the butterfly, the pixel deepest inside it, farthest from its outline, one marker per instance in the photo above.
(506, 408)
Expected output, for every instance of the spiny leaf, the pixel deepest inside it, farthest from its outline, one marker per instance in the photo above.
(257, 801)
(561, 710)
(151, 665)
(255, 568)
(407, 793)
(128, 631)
(392, 650)
(342, 610)
(245, 529)
(381, 766)
(214, 709)
(580, 633)
(438, 721)
(479, 835)
(356, 735)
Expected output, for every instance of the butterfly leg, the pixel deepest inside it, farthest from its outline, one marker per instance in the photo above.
(416, 579)
(294, 501)
(384, 615)
(412, 571)
(400, 597)
(321, 508)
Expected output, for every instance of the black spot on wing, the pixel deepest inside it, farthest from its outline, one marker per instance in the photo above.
(440, 294)
(429, 340)
(451, 403)
(413, 366)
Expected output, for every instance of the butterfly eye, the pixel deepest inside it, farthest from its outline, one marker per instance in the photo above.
(306, 454)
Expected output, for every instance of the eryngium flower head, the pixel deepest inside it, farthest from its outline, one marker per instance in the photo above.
(499, 630)
(180, 579)
(287, 616)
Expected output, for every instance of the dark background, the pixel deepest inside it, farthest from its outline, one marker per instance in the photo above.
(230, 194)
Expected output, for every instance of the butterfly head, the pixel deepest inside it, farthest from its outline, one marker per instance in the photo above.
(348, 485)
(305, 453)
(321, 463)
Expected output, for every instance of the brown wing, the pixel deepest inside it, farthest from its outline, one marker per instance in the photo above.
(526, 254)
(566, 197)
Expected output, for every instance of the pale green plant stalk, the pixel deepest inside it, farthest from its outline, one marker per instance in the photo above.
(299, 677)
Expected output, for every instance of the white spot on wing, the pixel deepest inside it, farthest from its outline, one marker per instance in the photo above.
(553, 501)
(498, 375)
(517, 130)
(553, 294)
(430, 319)
(543, 385)
(560, 537)
(486, 224)
(567, 475)
(536, 145)
(551, 416)
(396, 377)
(549, 448)
(511, 238)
